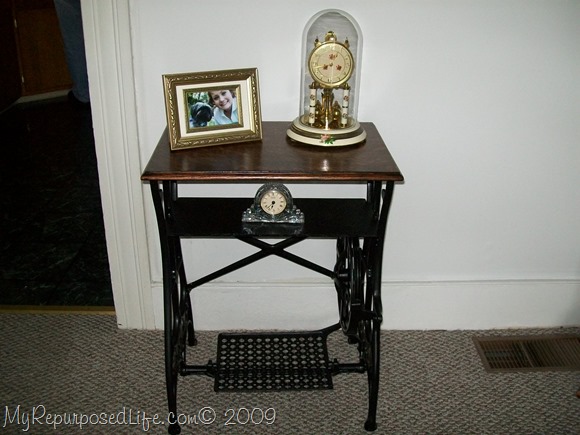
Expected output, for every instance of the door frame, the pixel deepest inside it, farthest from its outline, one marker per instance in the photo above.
(107, 31)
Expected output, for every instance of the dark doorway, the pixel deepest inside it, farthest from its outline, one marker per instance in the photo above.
(52, 243)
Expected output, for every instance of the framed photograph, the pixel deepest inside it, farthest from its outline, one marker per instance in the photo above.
(212, 108)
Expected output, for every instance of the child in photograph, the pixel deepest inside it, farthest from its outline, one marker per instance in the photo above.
(225, 106)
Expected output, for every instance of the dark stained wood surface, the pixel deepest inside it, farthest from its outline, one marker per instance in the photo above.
(275, 157)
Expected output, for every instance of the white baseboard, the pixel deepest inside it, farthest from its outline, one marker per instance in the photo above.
(444, 305)
(481, 304)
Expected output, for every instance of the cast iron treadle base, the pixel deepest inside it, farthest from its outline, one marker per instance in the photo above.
(272, 362)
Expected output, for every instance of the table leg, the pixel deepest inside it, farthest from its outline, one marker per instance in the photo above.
(178, 319)
(171, 327)
(371, 344)
(370, 327)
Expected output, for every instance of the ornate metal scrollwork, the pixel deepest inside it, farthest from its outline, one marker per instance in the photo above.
(350, 272)
(365, 345)
(181, 330)
(178, 336)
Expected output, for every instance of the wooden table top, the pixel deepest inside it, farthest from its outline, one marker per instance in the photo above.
(275, 157)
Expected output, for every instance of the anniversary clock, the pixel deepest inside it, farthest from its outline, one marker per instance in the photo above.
(330, 78)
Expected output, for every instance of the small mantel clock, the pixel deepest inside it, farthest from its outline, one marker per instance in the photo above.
(331, 49)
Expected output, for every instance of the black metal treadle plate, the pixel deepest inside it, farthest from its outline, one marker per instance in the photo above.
(272, 362)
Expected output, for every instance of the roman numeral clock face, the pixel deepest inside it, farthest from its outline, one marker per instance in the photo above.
(330, 64)
(273, 202)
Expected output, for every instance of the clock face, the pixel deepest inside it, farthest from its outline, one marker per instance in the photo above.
(330, 64)
(273, 202)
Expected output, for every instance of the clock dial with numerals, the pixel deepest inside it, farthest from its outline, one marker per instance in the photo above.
(330, 64)
(273, 202)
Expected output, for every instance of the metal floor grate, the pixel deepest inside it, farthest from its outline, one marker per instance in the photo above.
(272, 362)
(529, 353)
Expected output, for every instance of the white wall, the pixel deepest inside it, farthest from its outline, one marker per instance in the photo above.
(478, 101)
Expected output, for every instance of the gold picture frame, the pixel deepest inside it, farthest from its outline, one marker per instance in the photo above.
(212, 108)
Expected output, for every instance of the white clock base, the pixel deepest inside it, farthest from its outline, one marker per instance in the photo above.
(350, 135)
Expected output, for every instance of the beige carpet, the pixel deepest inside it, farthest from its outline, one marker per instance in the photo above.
(431, 382)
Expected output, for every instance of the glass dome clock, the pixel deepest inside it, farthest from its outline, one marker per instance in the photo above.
(332, 48)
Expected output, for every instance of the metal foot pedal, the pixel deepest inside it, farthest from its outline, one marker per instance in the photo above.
(272, 362)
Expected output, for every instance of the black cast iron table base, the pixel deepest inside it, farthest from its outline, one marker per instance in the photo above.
(356, 276)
